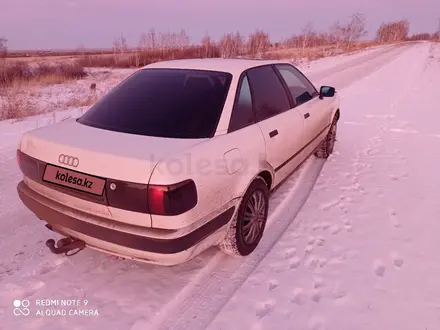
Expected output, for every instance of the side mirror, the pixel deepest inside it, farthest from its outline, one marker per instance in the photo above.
(326, 91)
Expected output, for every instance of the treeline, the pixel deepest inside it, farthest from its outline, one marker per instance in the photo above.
(392, 32)
(339, 35)
(399, 31)
(424, 36)
(155, 46)
(130, 59)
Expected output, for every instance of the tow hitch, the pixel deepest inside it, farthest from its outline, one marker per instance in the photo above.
(66, 245)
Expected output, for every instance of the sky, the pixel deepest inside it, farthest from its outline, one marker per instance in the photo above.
(67, 24)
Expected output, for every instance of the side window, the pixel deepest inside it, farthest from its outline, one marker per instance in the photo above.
(300, 88)
(242, 113)
(269, 95)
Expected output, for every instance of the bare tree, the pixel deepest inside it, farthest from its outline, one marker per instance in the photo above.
(310, 38)
(183, 39)
(207, 45)
(307, 34)
(137, 57)
(258, 43)
(120, 44)
(119, 47)
(152, 39)
(392, 32)
(337, 32)
(164, 40)
(81, 49)
(123, 44)
(437, 33)
(3, 47)
(231, 45)
(143, 42)
(174, 41)
(355, 29)
(349, 33)
(115, 46)
(142, 47)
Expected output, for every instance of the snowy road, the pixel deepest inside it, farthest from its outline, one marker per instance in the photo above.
(360, 245)
(364, 251)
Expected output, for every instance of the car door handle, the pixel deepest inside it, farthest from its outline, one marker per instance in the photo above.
(306, 115)
(273, 133)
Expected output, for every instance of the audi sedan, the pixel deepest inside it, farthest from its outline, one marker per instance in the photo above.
(180, 156)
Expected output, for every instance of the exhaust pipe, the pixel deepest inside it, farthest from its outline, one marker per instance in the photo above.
(65, 245)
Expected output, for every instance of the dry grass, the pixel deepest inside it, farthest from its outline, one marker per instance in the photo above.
(16, 103)
(26, 100)
(141, 58)
(13, 73)
(40, 59)
(314, 53)
(44, 95)
(77, 102)
(130, 60)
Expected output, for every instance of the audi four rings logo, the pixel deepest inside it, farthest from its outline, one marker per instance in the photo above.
(68, 160)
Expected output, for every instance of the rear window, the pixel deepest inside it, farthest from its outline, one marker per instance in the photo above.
(171, 103)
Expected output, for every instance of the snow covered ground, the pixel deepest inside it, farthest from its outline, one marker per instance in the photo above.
(43, 99)
(350, 243)
(362, 252)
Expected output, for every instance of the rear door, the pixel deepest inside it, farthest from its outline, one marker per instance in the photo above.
(281, 126)
(307, 102)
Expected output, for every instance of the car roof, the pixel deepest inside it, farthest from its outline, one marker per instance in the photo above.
(235, 66)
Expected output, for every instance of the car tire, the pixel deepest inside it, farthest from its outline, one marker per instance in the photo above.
(325, 149)
(245, 231)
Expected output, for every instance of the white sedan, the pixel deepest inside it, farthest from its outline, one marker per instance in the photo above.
(180, 156)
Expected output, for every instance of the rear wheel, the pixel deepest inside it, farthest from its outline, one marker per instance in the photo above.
(326, 146)
(248, 225)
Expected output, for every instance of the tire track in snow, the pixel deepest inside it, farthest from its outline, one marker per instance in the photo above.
(343, 76)
(260, 308)
(196, 305)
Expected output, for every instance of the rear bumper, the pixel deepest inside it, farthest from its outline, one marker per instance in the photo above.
(71, 222)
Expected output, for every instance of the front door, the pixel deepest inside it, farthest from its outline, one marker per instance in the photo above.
(281, 126)
(307, 102)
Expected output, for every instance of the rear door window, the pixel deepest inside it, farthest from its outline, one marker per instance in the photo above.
(269, 95)
(242, 113)
(170, 103)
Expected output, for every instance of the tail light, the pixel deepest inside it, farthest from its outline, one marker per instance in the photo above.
(28, 165)
(172, 199)
(167, 200)
(18, 158)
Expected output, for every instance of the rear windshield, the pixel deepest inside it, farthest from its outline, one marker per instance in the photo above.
(171, 103)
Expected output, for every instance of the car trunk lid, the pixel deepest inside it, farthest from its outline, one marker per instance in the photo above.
(87, 162)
